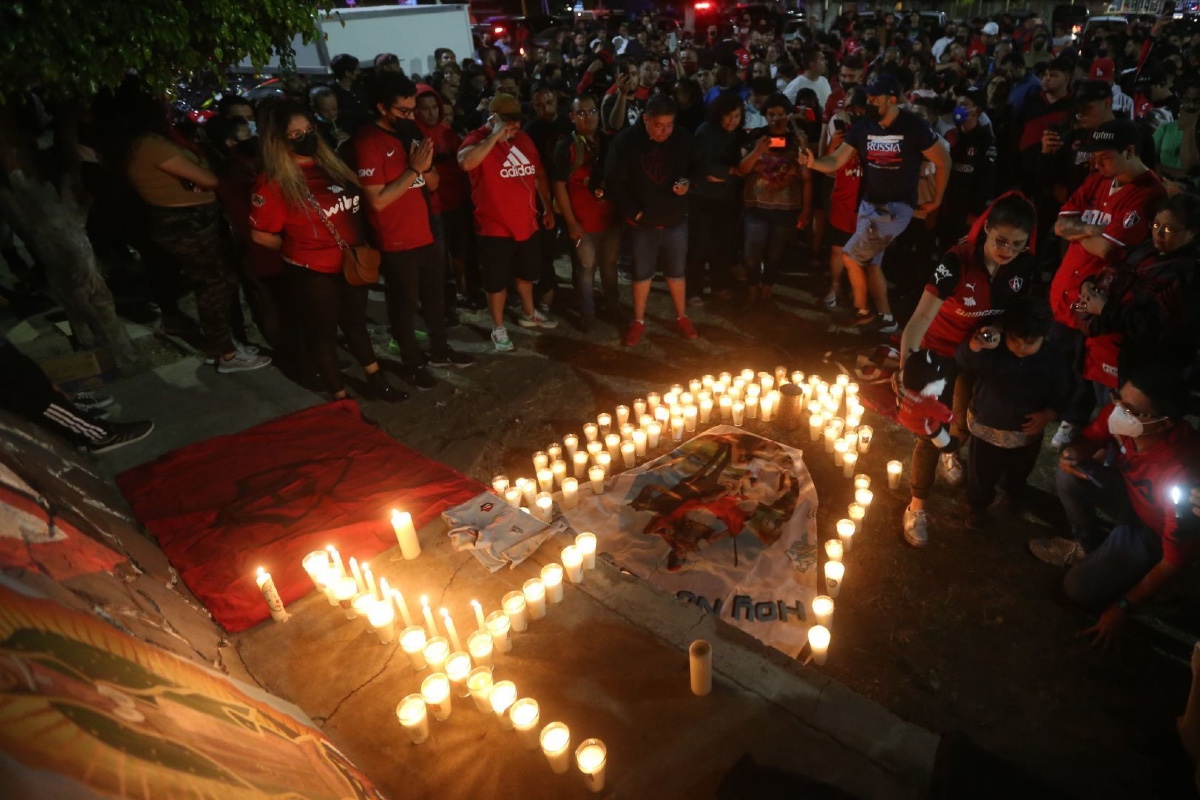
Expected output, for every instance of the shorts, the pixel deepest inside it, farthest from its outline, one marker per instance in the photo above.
(878, 225)
(655, 246)
(502, 258)
(837, 237)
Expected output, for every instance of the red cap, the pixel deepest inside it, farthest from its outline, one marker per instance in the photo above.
(1103, 69)
(744, 58)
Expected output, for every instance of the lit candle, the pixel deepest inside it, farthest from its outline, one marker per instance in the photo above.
(525, 715)
(706, 406)
(604, 461)
(480, 646)
(726, 406)
(747, 375)
(639, 443)
(535, 597)
(798, 377)
(552, 576)
(822, 606)
(540, 461)
(556, 742)
(357, 573)
(839, 453)
(451, 631)
(363, 603)
(831, 435)
(592, 757)
(590, 431)
(662, 415)
(652, 401)
(594, 450)
(479, 684)
(639, 407)
(529, 488)
(427, 613)
(865, 434)
(628, 454)
(570, 493)
(572, 561)
(326, 580)
(861, 481)
(545, 479)
(586, 543)
(622, 415)
(437, 650)
(558, 469)
(314, 564)
(653, 432)
(700, 667)
(894, 469)
(270, 595)
(406, 534)
(596, 476)
(863, 496)
(335, 558)
(544, 506)
(412, 642)
(414, 718)
(835, 571)
(345, 590)
(689, 418)
(436, 691)
(458, 667)
(554, 453)
(369, 579)
(383, 620)
(500, 484)
(504, 694)
(849, 463)
(677, 426)
(571, 444)
(818, 640)
(856, 512)
(845, 532)
(513, 497)
(514, 607)
(498, 626)
(766, 406)
(605, 423)
(834, 549)
(739, 412)
(816, 424)
(580, 460)
(480, 623)
(752, 406)
(627, 432)
(767, 380)
(851, 437)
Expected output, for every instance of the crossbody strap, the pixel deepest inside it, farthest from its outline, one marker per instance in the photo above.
(337, 237)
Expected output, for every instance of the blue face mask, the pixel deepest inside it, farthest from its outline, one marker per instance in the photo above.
(961, 115)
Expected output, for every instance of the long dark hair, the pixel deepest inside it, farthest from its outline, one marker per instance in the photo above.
(1011, 209)
(724, 103)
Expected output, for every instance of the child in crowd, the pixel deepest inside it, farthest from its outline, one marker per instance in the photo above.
(1022, 383)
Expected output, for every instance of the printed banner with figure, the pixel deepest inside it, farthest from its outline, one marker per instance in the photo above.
(727, 521)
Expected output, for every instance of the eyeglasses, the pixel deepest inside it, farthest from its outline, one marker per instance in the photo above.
(1165, 230)
(405, 111)
(296, 136)
(1145, 416)
(587, 112)
(1000, 243)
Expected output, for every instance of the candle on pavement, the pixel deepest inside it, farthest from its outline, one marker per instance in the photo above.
(270, 595)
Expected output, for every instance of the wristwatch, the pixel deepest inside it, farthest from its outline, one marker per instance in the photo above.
(1123, 603)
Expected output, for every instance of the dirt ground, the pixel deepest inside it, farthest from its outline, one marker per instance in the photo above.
(970, 635)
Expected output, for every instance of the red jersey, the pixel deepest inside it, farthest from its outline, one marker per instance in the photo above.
(404, 223)
(306, 240)
(1150, 475)
(843, 199)
(504, 187)
(575, 168)
(1123, 212)
(970, 296)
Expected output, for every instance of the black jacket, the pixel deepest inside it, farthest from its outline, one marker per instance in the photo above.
(640, 176)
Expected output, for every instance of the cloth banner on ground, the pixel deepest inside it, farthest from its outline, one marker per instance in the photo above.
(496, 533)
(728, 521)
(268, 495)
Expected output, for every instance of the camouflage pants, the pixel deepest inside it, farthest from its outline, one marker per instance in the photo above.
(191, 236)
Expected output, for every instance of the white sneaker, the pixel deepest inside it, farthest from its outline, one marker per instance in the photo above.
(916, 527)
(244, 349)
(500, 339)
(242, 362)
(1057, 551)
(1063, 436)
(830, 300)
(537, 319)
(953, 468)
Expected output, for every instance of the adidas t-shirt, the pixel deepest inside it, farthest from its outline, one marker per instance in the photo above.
(404, 223)
(504, 187)
(306, 240)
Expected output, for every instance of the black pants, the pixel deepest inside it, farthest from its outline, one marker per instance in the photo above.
(26, 391)
(989, 466)
(325, 302)
(1082, 401)
(714, 239)
(412, 276)
(547, 280)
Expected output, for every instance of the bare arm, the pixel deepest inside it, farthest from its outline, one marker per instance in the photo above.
(470, 158)
(271, 241)
(939, 154)
(1070, 226)
(563, 199)
(615, 119)
(183, 167)
(830, 163)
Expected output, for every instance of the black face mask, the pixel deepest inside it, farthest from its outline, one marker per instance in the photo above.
(873, 113)
(306, 145)
(248, 147)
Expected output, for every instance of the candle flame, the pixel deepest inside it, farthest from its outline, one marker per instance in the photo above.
(443, 612)
(424, 600)
(475, 604)
(261, 570)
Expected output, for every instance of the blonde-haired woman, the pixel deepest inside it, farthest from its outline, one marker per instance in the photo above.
(303, 195)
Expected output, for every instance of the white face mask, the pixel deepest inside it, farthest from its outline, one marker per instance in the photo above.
(253, 127)
(1122, 423)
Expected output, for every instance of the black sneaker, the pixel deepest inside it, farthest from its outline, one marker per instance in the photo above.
(121, 434)
(92, 400)
(421, 378)
(379, 389)
(451, 359)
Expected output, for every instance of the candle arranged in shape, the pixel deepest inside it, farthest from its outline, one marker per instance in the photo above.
(427, 613)
(480, 622)
(535, 597)
(451, 631)
(359, 584)
(406, 535)
(437, 650)
(865, 435)
(605, 422)
(835, 571)
(628, 454)
(558, 469)
(845, 532)
(639, 443)
(556, 745)
(596, 476)
(857, 512)
(571, 444)
(498, 626)
(590, 431)
(504, 694)
(863, 497)
(412, 642)
(315, 563)
(270, 595)
(586, 543)
(500, 484)
(580, 461)
(436, 691)
(383, 620)
(592, 758)
(525, 715)
(479, 684)
(363, 604)
(572, 561)
(822, 606)
(552, 577)
(480, 646)
(894, 468)
(540, 461)
(414, 717)
(514, 606)
(458, 667)
(818, 640)
(862, 481)
(604, 462)
(834, 549)
(544, 507)
(849, 462)
(545, 479)
(345, 591)
(570, 493)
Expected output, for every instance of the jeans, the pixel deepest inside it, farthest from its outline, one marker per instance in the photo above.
(597, 251)
(1127, 554)
(1081, 498)
(767, 235)
(960, 384)
(412, 275)
(654, 246)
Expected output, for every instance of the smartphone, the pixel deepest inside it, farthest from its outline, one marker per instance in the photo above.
(778, 143)
(839, 125)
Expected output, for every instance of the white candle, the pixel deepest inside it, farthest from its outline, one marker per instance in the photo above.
(851, 437)
(570, 493)
(327, 579)
(500, 484)
(835, 571)
(406, 535)
(622, 415)
(604, 462)
(336, 559)
(556, 743)
(639, 443)
(514, 606)
(540, 461)
(845, 532)
(586, 544)
(831, 434)
(596, 476)
(604, 420)
(594, 449)
(479, 684)
(864, 497)
(535, 597)
(270, 595)
(818, 640)
(451, 631)
(571, 444)
(592, 757)
(797, 377)
(613, 443)
(413, 716)
(572, 561)
(639, 408)
(314, 564)
(652, 401)
(345, 591)
(498, 626)
(752, 406)
(628, 454)
(839, 452)
(822, 606)
(894, 469)
(739, 413)
(363, 603)
(529, 489)
(545, 479)
(513, 497)
(369, 580)
(525, 715)
(816, 424)
(480, 646)
(700, 663)
(357, 573)
(653, 431)
(427, 613)
(834, 549)
(437, 650)
(861, 481)
(706, 406)
(857, 512)
(627, 432)
(458, 667)
(580, 461)
(865, 434)
(412, 642)
(504, 694)
(554, 452)
(544, 507)
(558, 469)
(552, 576)
(726, 406)
(766, 407)
(590, 431)
(436, 691)
(849, 462)
(480, 623)
(383, 620)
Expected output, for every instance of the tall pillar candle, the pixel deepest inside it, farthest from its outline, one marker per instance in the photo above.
(535, 597)
(451, 631)
(480, 622)
(406, 535)
(700, 660)
(270, 595)
(356, 572)
(552, 577)
(402, 607)
(427, 615)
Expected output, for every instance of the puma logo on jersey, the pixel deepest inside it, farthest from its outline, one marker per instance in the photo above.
(516, 165)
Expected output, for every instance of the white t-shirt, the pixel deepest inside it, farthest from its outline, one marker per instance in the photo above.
(820, 86)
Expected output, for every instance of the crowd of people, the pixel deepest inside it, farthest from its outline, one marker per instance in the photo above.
(989, 193)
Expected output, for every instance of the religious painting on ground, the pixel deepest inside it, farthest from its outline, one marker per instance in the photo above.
(728, 521)
(88, 712)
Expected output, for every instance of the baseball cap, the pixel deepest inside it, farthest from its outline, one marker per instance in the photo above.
(1103, 69)
(885, 83)
(383, 59)
(1116, 134)
(507, 106)
(1091, 91)
(594, 43)
(975, 94)
(991, 29)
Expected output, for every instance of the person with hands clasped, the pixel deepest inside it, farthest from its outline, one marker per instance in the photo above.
(507, 179)
(1021, 382)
